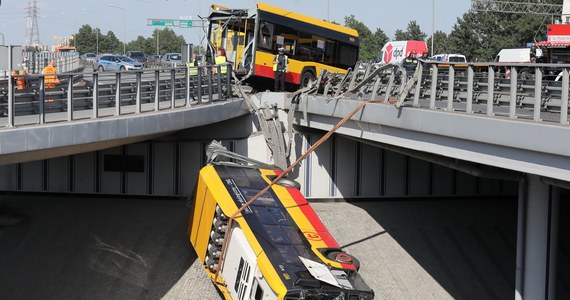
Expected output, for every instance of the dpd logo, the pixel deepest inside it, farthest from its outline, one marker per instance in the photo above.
(388, 54)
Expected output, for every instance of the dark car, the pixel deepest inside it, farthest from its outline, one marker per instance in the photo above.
(137, 55)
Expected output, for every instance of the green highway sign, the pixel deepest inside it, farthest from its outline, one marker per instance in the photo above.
(184, 23)
(169, 22)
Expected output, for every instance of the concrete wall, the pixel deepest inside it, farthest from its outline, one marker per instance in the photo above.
(341, 168)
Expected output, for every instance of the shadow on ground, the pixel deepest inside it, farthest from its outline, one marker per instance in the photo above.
(96, 248)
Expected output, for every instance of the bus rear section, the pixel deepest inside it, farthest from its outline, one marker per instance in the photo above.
(251, 39)
(275, 246)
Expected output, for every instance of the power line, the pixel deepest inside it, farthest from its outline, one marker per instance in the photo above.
(531, 7)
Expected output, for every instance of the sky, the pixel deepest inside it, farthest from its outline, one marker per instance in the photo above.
(128, 18)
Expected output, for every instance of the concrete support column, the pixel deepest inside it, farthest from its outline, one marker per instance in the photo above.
(537, 240)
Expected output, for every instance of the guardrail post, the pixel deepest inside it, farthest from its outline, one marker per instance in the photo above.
(95, 96)
(420, 71)
(172, 88)
(390, 85)
(450, 87)
(219, 80)
(513, 100)
(229, 81)
(199, 93)
(157, 90)
(564, 104)
(11, 102)
(469, 106)
(210, 84)
(41, 101)
(139, 92)
(187, 79)
(537, 94)
(70, 99)
(490, 91)
(434, 72)
(118, 94)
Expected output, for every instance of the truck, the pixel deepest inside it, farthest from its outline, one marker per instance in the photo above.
(394, 52)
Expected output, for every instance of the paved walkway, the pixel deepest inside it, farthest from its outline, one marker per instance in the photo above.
(101, 248)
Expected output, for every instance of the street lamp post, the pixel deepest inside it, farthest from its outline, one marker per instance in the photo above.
(124, 26)
(96, 31)
(158, 17)
(432, 24)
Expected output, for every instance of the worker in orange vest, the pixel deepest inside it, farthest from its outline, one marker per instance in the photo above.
(20, 78)
(50, 80)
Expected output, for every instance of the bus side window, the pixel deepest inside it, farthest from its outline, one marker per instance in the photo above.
(266, 36)
(256, 291)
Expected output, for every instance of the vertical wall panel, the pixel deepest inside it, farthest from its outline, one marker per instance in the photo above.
(346, 167)
(137, 183)
(32, 176)
(370, 171)
(465, 184)
(419, 177)
(395, 174)
(442, 180)
(111, 182)
(58, 174)
(164, 170)
(9, 177)
(191, 158)
(84, 172)
(320, 167)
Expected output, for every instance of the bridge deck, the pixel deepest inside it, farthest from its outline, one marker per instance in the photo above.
(132, 248)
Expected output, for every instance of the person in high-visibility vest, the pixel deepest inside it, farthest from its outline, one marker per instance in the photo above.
(192, 65)
(280, 67)
(50, 80)
(20, 78)
(221, 59)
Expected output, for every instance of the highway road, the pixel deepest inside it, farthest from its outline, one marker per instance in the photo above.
(70, 247)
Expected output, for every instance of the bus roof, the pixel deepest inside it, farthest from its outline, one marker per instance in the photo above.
(307, 19)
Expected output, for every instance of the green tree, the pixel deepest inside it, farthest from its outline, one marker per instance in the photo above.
(370, 43)
(169, 41)
(480, 35)
(413, 32)
(86, 39)
(147, 45)
(441, 43)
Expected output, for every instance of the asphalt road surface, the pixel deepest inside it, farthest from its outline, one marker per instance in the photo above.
(124, 248)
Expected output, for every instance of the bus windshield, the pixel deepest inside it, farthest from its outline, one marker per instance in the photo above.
(251, 39)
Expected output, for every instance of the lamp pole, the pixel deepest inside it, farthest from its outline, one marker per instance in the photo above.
(432, 24)
(96, 31)
(158, 17)
(124, 26)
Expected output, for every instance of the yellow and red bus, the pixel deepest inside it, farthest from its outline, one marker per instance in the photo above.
(276, 248)
(251, 38)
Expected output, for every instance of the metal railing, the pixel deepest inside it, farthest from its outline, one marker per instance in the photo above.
(537, 92)
(102, 94)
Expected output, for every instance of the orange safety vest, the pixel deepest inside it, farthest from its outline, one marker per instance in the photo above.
(50, 81)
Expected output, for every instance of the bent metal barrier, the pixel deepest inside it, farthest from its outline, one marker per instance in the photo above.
(537, 92)
(95, 94)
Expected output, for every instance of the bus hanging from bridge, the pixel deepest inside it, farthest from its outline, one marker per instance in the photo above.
(251, 38)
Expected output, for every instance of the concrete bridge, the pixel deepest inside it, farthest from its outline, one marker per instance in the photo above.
(453, 130)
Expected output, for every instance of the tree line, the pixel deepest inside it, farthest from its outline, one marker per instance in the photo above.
(478, 35)
(87, 38)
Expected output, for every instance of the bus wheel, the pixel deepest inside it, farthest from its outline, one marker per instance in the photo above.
(344, 258)
(306, 78)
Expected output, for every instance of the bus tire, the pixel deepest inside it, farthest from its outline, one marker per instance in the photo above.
(306, 77)
(343, 257)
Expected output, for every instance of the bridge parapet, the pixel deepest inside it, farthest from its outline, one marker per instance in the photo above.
(537, 92)
(87, 94)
